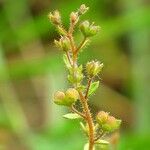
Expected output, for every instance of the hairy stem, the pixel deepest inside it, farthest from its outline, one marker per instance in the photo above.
(89, 120)
(88, 116)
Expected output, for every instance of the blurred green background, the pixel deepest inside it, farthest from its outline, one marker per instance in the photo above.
(31, 69)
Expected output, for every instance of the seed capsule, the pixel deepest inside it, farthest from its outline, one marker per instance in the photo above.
(102, 117)
(59, 98)
(72, 94)
(93, 68)
(55, 17)
(83, 9)
(111, 124)
(74, 17)
(63, 43)
(89, 30)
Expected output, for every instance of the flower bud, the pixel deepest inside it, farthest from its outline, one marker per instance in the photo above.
(102, 117)
(55, 17)
(89, 30)
(59, 98)
(84, 27)
(93, 30)
(63, 43)
(72, 93)
(111, 124)
(83, 9)
(74, 17)
(93, 68)
(71, 96)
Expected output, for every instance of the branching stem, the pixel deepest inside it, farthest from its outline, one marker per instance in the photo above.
(77, 112)
(88, 117)
(81, 45)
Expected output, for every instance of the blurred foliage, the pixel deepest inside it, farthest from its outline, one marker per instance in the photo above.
(31, 68)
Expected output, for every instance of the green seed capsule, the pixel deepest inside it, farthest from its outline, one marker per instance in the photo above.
(111, 124)
(102, 117)
(72, 93)
(59, 98)
(65, 43)
(93, 68)
(83, 9)
(88, 30)
(55, 17)
(71, 96)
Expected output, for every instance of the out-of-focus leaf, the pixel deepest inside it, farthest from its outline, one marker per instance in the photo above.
(66, 61)
(102, 142)
(94, 86)
(86, 147)
(72, 116)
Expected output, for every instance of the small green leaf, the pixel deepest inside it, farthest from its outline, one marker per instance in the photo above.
(66, 61)
(94, 86)
(83, 127)
(102, 142)
(86, 147)
(72, 116)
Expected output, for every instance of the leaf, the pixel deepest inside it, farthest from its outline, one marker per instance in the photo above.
(72, 116)
(66, 61)
(94, 86)
(102, 142)
(86, 147)
(84, 128)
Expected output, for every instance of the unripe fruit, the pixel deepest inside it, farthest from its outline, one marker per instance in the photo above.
(63, 43)
(88, 30)
(93, 68)
(84, 27)
(55, 17)
(102, 117)
(59, 98)
(111, 124)
(83, 9)
(72, 93)
(74, 17)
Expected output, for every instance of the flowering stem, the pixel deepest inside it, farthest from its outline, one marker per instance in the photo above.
(83, 100)
(89, 120)
(105, 122)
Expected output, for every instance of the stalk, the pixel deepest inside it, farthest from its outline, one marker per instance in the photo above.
(105, 122)
(83, 99)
